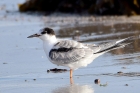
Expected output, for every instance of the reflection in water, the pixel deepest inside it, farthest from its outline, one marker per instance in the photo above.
(74, 88)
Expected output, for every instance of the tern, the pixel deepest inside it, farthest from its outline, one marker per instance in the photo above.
(73, 54)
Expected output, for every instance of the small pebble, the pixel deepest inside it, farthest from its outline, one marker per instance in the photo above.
(48, 71)
(34, 79)
(96, 81)
(120, 72)
(123, 67)
(4, 63)
(126, 84)
(104, 85)
(25, 80)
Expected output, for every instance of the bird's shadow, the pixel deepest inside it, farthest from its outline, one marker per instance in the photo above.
(56, 70)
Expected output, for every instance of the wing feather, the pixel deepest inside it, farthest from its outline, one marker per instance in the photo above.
(69, 51)
(69, 43)
(114, 44)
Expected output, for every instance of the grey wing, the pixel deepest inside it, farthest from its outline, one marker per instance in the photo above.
(114, 45)
(69, 44)
(75, 44)
(95, 48)
(73, 55)
(69, 51)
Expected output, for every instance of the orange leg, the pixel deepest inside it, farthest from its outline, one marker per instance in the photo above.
(71, 79)
(71, 73)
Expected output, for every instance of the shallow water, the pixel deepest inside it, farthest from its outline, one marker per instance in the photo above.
(24, 64)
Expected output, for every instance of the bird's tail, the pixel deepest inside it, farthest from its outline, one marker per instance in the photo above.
(114, 45)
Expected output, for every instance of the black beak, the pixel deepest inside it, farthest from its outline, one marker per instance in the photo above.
(34, 35)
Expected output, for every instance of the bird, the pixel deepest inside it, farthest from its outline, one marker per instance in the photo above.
(73, 54)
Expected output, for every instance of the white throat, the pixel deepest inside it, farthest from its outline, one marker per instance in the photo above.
(49, 43)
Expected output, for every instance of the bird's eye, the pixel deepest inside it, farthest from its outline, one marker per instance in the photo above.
(44, 32)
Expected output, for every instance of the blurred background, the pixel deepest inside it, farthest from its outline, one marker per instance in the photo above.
(94, 7)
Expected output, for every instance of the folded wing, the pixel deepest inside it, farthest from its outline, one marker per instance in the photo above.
(114, 45)
(68, 51)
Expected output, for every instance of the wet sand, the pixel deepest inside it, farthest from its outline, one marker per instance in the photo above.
(24, 64)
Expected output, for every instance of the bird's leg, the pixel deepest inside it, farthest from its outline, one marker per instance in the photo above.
(71, 79)
(71, 73)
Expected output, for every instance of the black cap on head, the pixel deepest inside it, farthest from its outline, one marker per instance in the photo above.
(48, 31)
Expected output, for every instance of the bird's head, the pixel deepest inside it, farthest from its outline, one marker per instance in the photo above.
(44, 34)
